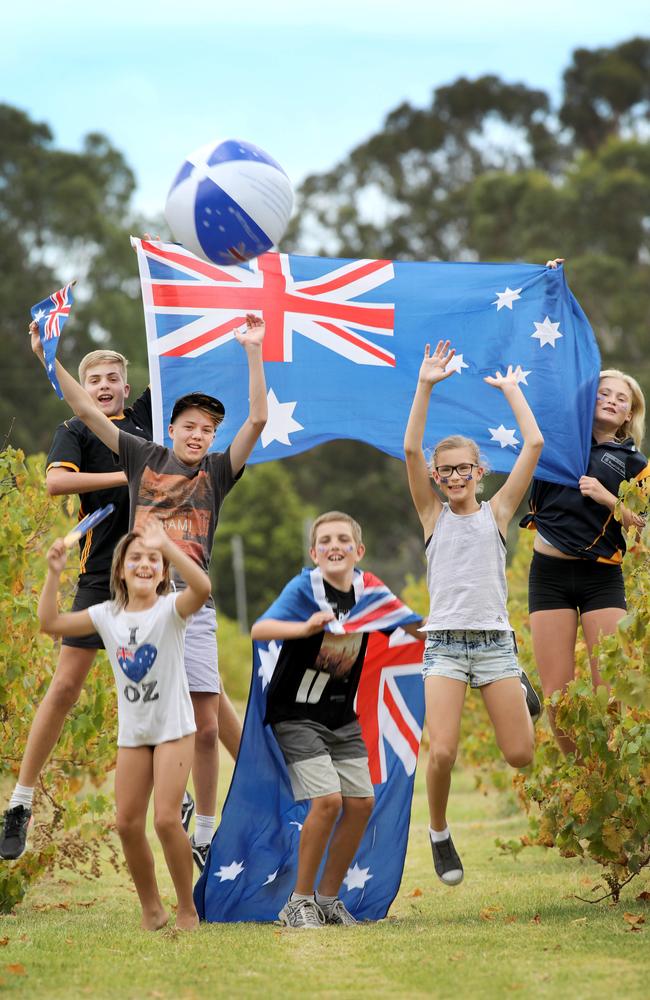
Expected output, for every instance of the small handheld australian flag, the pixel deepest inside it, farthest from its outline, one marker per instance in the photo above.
(51, 315)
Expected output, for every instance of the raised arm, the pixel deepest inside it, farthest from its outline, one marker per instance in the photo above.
(425, 499)
(197, 591)
(247, 436)
(71, 623)
(78, 399)
(506, 500)
(61, 481)
(267, 629)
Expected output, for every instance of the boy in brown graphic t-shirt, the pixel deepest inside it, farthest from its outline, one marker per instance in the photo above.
(184, 487)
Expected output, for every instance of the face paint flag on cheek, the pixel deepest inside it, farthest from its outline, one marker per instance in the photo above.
(51, 315)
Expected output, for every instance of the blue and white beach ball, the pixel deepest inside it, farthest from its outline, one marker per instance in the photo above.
(229, 202)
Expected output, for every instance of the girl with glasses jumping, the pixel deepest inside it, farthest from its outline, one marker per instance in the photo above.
(469, 638)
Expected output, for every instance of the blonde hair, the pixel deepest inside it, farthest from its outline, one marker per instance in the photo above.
(459, 441)
(634, 425)
(119, 592)
(102, 358)
(336, 515)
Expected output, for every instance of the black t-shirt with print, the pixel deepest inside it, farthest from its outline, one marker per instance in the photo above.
(317, 677)
(75, 447)
(576, 524)
(185, 498)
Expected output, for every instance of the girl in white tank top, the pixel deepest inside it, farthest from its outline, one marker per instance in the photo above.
(469, 639)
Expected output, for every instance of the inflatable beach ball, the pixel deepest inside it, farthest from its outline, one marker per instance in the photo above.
(229, 202)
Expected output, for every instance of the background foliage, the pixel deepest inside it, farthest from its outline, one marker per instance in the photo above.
(490, 170)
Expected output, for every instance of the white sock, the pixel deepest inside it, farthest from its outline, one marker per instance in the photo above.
(23, 795)
(325, 900)
(438, 835)
(203, 829)
(295, 897)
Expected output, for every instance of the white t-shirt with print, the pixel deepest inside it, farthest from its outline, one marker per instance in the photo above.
(146, 650)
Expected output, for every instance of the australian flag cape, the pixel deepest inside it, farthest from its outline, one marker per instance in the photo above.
(344, 342)
(251, 867)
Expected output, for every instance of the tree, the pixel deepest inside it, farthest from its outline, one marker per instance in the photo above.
(491, 171)
(268, 514)
(63, 215)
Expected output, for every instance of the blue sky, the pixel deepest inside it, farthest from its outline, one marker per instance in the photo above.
(305, 84)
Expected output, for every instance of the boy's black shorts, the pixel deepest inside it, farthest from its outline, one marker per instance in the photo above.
(84, 598)
(580, 584)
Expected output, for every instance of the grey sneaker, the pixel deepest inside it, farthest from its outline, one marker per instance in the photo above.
(304, 914)
(187, 810)
(448, 866)
(533, 700)
(338, 914)
(13, 839)
(199, 853)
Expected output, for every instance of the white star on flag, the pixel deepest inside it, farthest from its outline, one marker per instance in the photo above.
(228, 873)
(38, 316)
(547, 332)
(356, 877)
(272, 877)
(268, 660)
(294, 822)
(504, 436)
(521, 376)
(280, 423)
(507, 298)
(456, 364)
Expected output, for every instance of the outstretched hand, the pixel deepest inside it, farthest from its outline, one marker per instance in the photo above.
(254, 332)
(433, 367)
(317, 622)
(511, 378)
(56, 556)
(555, 263)
(153, 535)
(35, 338)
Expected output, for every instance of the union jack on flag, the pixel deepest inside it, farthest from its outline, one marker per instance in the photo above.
(211, 302)
(387, 705)
(344, 342)
(252, 864)
(51, 315)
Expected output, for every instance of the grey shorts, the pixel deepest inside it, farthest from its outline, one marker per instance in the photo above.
(201, 659)
(474, 657)
(324, 761)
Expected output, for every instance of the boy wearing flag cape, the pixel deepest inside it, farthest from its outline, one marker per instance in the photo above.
(310, 707)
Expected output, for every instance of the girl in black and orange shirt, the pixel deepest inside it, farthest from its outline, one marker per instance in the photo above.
(579, 546)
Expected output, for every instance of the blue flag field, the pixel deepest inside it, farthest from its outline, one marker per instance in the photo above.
(344, 342)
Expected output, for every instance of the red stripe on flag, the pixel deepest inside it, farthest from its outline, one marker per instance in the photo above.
(365, 345)
(399, 720)
(345, 279)
(217, 333)
(202, 267)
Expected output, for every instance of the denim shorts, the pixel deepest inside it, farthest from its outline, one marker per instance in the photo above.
(473, 657)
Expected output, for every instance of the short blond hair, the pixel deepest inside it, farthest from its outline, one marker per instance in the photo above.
(634, 425)
(102, 358)
(336, 515)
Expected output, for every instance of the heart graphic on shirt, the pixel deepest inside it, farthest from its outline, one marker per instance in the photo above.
(136, 665)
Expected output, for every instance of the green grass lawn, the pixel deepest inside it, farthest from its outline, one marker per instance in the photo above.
(512, 927)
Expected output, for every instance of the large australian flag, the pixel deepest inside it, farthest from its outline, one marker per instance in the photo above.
(251, 868)
(345, 340)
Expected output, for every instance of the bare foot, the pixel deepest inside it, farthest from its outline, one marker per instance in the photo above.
(187, 920)
(153, 920)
